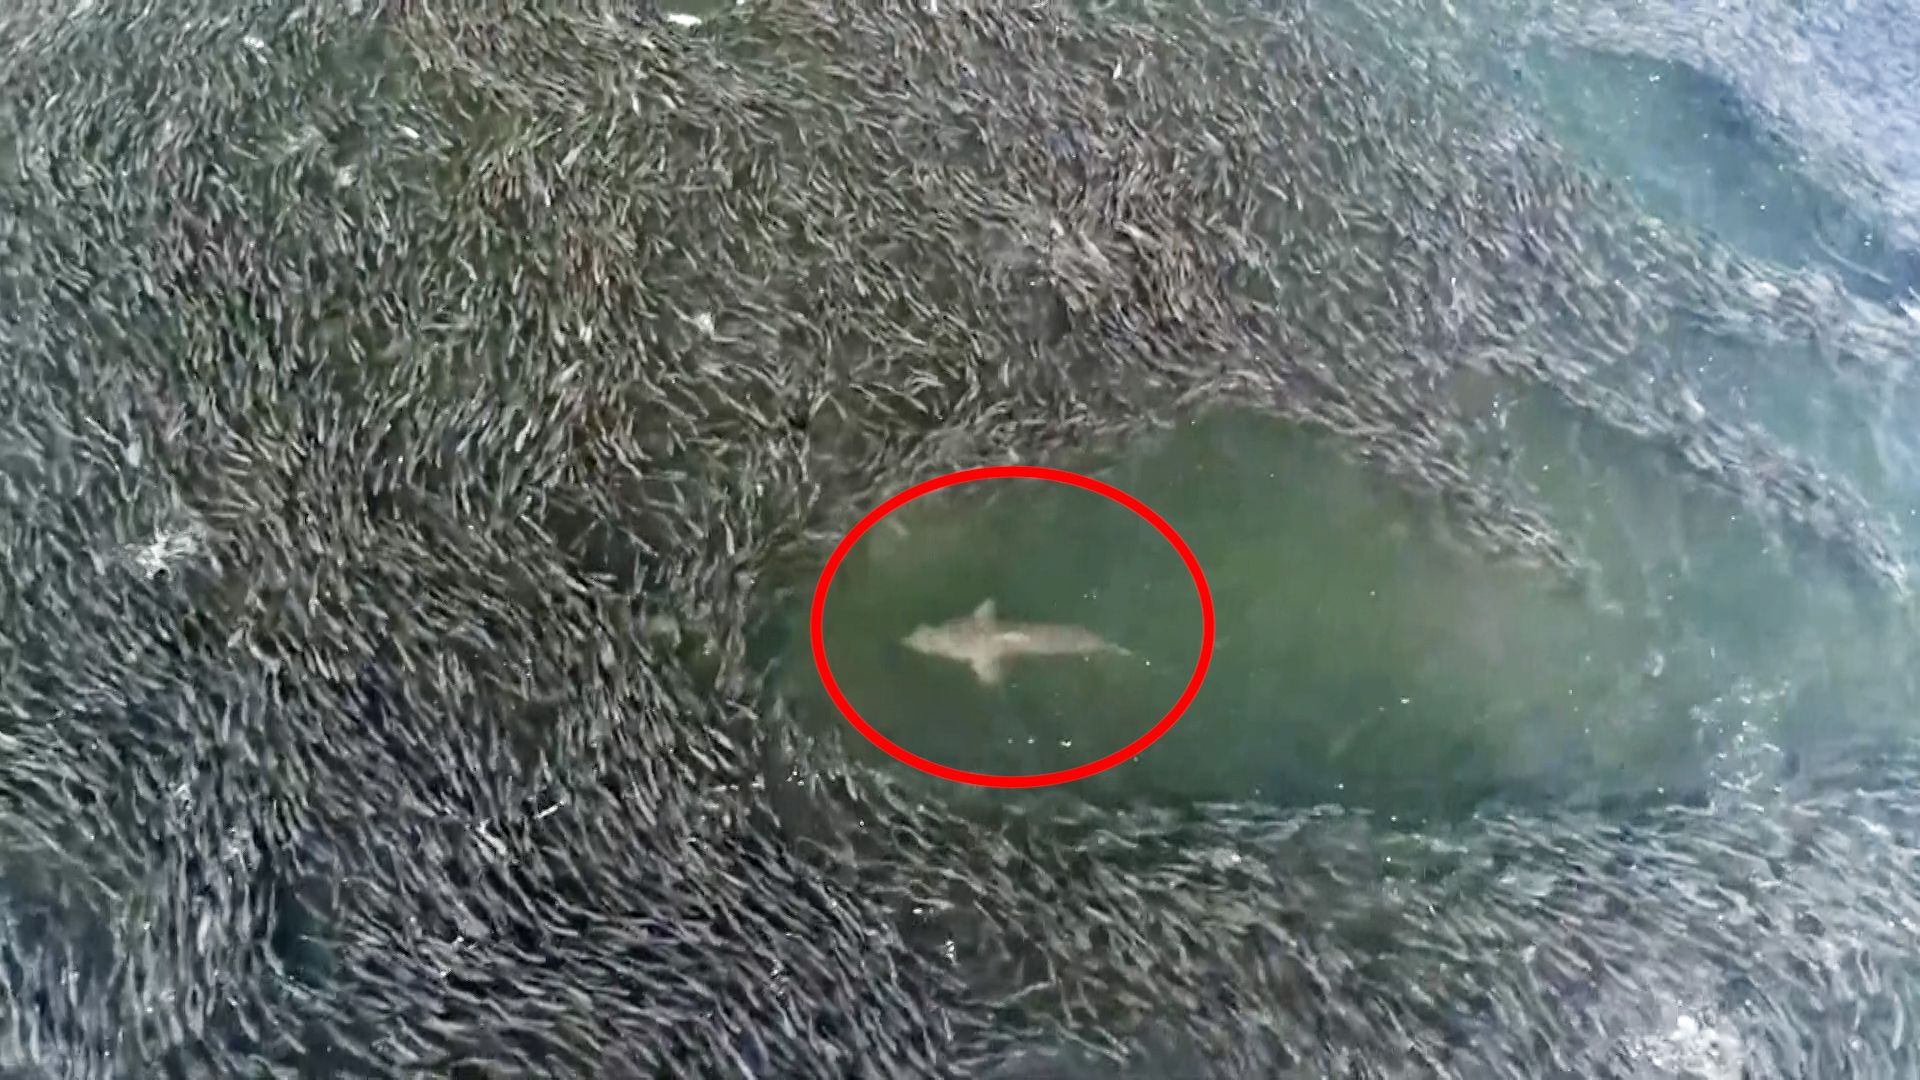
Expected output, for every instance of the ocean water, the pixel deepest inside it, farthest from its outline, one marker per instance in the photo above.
(1366, 656)
(1363, 655)
(450, 764)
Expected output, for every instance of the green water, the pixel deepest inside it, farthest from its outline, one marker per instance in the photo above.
(1044, 552)
(1363, 655)
(1367, 656)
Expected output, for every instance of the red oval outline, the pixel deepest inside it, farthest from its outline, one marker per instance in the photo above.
(1024, 472)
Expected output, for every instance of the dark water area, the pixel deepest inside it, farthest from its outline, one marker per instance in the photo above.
(422, 428)
(1363, 657)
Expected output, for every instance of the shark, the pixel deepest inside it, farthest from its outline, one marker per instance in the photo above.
(985, 643)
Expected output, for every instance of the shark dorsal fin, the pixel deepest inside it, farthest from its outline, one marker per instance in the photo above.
(984, 613)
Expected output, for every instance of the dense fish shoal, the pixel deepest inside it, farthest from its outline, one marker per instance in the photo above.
(420, 421)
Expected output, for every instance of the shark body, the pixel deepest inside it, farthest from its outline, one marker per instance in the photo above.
(984, 643)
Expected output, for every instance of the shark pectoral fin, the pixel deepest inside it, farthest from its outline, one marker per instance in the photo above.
(989, 670)
(984, 613)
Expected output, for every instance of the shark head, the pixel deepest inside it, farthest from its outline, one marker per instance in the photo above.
(957, 639)
(929, 640)
(968, 639)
